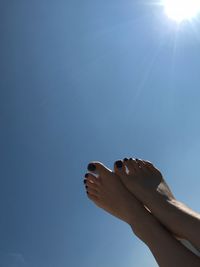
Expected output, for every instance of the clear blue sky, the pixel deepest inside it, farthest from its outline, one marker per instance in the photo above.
(81, 81)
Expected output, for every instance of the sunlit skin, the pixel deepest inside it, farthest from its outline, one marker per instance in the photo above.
(149, 186)
(180, 10)
(110, 192)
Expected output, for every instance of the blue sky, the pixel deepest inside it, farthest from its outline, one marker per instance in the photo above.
(81, 81)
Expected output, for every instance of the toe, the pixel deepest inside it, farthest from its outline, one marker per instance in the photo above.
(91, 191)
(150, 166)
(131, 165)
(92, 179)
(98, 168)
(126, 177)
(91, 184)
(141, 164)
(119, 167)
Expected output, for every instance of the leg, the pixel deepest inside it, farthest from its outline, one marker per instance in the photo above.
(166, 249)
(107, 192)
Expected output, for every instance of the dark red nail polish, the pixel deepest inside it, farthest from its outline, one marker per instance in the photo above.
(84, 181)
(86, 175)
(130, 159)
(119, 164)
(125, 159)
(91, 167)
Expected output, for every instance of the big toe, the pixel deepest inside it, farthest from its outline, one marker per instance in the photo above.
(119, 167)
(98, 168)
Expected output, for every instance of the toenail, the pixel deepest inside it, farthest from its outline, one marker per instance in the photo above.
(119, 164)
(85, 181)
(86, 187)
(86, 176)
(91, 167)
(125, 159)
(130, 159)
(136, 159)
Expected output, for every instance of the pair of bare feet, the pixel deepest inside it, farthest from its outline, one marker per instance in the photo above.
(133, 190)
(137, 193)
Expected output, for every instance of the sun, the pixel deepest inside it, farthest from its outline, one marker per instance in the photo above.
(180, 10)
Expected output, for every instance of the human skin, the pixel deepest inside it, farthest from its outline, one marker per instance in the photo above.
(108, 192)
(148, 185)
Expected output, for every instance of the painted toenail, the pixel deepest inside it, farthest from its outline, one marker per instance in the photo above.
(91, 167)
(87, 175)
(119, 164)
(130, 159)
(125, 159)
(84, 181)
(136, 159)
(86, 187)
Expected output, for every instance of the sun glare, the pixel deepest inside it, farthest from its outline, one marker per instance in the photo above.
(180, 10)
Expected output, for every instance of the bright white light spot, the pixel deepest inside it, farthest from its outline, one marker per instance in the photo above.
(180, 10)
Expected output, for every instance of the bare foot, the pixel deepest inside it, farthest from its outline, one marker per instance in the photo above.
(147, 184)
(144, 181)
(107, 192)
